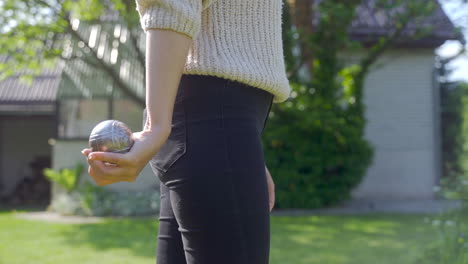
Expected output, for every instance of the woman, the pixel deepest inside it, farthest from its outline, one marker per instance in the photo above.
(214, 68)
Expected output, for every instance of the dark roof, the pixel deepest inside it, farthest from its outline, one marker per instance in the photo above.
(39, 96)
(372, 22)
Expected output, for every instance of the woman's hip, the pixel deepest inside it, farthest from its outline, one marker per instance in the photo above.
(216, 128)
(220, 102)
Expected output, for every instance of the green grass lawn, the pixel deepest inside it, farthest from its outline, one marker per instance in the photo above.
(356, 239)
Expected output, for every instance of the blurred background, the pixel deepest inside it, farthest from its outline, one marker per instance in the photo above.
(369, 154)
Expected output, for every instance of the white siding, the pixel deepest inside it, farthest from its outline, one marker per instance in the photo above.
(399, 95)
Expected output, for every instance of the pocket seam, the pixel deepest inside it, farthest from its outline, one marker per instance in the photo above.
(163, 164)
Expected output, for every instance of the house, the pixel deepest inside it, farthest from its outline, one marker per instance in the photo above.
(27, 122)
(402, 96)
(50, 121)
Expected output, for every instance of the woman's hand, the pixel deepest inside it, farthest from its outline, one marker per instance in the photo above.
(271, 188)
(127, 166)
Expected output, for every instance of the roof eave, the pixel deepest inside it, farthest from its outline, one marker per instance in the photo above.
(423, 43)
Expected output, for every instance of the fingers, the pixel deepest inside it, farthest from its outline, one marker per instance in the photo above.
(86, 151)
(102, 173)
(109, 158)
(107, 167)
(270, 199)
(107, 172)
(271, 189)
(116, 158)
(94, 174)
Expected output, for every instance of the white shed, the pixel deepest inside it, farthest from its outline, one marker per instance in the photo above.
(401, 95)
(402, 115)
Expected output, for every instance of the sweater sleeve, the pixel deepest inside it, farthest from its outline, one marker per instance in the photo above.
(183, 16)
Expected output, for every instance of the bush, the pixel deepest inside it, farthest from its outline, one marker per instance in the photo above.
(90, 200)
(451, 247)
(315, 155)
(68, 179)
(454, 184)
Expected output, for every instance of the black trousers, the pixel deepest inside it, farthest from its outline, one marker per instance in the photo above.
(214, 197)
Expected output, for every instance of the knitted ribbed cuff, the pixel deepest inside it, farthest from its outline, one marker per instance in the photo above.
(163, 18)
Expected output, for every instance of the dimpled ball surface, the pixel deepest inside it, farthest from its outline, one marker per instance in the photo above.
(111, 136)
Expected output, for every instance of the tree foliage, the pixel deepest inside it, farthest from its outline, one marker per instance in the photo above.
(38, 32)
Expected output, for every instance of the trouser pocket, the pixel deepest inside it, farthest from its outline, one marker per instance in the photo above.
(174, 147)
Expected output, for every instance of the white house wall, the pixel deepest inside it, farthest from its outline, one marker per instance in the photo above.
(399, 95)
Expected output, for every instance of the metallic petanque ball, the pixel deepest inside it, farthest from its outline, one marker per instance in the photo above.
(111, 136)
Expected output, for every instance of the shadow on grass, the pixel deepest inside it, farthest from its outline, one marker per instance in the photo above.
(137, 235)
(32, 207)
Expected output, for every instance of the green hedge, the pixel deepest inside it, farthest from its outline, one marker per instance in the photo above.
(316, 155)
(454, 106)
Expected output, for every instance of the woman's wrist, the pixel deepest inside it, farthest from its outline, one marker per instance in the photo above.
(164, 129)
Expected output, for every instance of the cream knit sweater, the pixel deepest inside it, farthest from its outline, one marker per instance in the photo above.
(234, 39)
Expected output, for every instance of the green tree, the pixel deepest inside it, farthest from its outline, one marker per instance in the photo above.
(36, 32)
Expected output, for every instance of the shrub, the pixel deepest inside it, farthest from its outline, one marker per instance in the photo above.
(68, 179)
(90, 200)
(101, 202)
(451, 247)
(315, 155)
